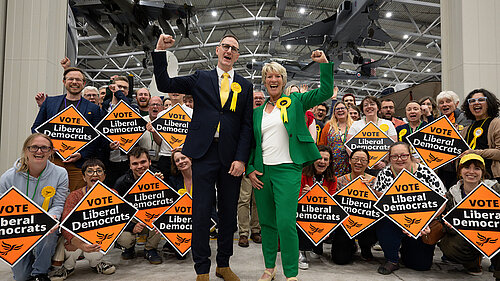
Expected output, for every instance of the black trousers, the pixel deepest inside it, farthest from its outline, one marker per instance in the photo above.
(344, 248)
(164, 165)
(208, 172)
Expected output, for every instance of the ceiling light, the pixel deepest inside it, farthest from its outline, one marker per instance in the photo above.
(255, 32)
(302, 11)
(419, 54)
(388, 14)
(288, 46)
(405, 36)
(138, 64)
(349, 81)
(385, 74)
(214, 14)
(253, 60)
(428, 70)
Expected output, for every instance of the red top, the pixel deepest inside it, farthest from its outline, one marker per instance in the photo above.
(309, 118)
(330, 186)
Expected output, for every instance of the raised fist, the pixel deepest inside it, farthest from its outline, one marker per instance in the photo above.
(165, 42)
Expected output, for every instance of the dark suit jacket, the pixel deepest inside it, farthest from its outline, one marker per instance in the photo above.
(235, 134)
(90, 111)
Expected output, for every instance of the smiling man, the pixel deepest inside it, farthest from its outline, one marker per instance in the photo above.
(139, 162)
(143, 96)
(218, 141)
(74, 81)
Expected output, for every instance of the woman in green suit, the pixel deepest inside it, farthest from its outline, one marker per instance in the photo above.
(283, 145)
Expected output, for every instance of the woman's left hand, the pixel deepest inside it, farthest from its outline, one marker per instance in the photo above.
(319, 56)
(379, 166)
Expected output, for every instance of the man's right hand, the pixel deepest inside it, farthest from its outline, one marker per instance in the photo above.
(138, 227)
(256, 183)
(165, 42)
(40, 98)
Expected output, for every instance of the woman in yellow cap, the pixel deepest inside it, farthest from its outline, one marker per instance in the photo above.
(471, 171)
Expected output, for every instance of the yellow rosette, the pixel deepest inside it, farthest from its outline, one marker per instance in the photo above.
(47, 193)
(236, 88)
(477, 133)
(402, 133)
(283, 103)
(384, 127)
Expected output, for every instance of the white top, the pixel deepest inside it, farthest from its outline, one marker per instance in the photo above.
(164, 148)
(148, 143)
(357, 126)
(275, 142)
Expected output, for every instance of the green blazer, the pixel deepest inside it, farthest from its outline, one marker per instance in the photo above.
(303, 150)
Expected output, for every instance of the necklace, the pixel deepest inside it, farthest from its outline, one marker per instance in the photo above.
(271, 102)
(36, 186)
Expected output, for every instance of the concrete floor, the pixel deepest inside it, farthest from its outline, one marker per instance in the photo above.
(248, 263)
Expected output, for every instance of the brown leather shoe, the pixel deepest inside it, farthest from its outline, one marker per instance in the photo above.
(226, 273)
(203, 277)
(256, 238)
(243, 242)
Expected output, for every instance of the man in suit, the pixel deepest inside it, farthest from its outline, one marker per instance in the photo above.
(218, 140)
(74, 82)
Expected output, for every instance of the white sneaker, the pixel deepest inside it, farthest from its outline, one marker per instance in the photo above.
(61, 274)
(303, 261)
(313, 255)
(377, 247)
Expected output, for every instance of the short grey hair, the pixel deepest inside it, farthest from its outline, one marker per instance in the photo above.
(448, 95)
(90, 89)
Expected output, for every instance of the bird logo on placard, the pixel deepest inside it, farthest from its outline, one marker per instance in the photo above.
(181, 240)
(315, 229)
(65, 147)
(485, 240)
(433, 158)
(411, 221)
(103, 237)
(174, 139)
(8, 248)
(150, 217)
(124, 141)
(352, 223)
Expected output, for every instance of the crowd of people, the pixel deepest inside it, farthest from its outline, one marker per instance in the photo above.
(246, 160)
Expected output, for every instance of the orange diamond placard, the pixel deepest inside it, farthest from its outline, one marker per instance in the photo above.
(175, 224)
(438, 143)
(409, 203)
(151, 196)
(477, 219)
(23, 224)
(358, 201)
(373, 139)
(100, 217)
(318, 214)
(69, 131)
(172, 126)
(124, 125)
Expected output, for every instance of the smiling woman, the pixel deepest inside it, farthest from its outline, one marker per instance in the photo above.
(483, 136)
(35, 176)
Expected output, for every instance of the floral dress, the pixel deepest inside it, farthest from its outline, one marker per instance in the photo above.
(336, 140)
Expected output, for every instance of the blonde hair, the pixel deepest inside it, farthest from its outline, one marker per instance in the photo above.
(334, 123)
(288, 89)
(23, 167)
(274, 67)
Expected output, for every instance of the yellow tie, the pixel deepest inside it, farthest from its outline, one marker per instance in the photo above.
(224, 89)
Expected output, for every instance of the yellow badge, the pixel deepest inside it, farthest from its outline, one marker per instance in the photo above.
(402, 133)
(460, 127)
(47, 193)
(236, 88)
(384, 127)
(282, 104)
(478, 132)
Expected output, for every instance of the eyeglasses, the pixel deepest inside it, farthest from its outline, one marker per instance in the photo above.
(155, 104)
(340, 109)
(360, 160)
(35, 148)
(226, 47)
(479, 100)
(402, 157)
(90, 172)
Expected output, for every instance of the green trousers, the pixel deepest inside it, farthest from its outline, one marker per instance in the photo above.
(277, 207)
